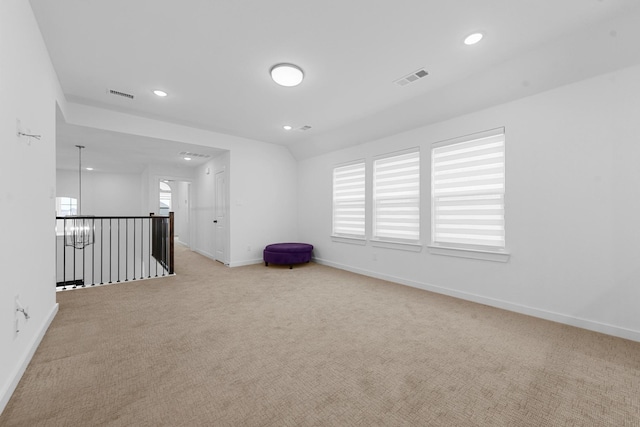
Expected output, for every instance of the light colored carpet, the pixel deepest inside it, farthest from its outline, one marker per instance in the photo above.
(313, 346)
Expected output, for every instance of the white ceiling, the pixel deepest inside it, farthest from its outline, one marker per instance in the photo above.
(114, 152)
(213, 59)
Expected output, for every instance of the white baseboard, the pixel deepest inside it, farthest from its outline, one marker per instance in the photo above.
(210, 256)
(204, 253)
(231, 264)
(248, 262)
(14, 379)
(591, 325)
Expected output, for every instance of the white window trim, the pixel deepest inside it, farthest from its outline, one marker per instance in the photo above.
(489, 254)
(411, 245)
(486, 255)
(403, 246)
(349, 238)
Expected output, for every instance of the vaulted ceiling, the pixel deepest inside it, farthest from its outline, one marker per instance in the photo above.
(213, 59)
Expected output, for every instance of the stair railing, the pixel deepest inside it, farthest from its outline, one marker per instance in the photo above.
(125, 248)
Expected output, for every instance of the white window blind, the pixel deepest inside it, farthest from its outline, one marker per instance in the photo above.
(349, 200)
(468, 182)
(396, 198)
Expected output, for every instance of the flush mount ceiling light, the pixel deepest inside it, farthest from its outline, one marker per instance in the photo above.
(160, 93)
(89, 169)
(473, 38)
(187, 158)
(287, 127)
(287, 74)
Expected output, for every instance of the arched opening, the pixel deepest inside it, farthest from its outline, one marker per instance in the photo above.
(165, 198)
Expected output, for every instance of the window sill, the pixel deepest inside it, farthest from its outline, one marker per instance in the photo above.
(470, 253)
(411, 247)
(349, 240)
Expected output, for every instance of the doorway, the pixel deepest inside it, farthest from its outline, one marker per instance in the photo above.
(220, 217)
(175, 196)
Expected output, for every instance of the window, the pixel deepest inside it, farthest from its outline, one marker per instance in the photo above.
(66, 206)
(468, 182)
(165, 198)
(349, 200)
(396, 198)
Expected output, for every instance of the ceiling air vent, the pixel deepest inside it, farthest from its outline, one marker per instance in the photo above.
(305, 127)
(413, 77)
(190, 154)
(119, 93)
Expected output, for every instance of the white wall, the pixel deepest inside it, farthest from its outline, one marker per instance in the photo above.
(103, 194)
(28, 91)
(145, 191)
(264, 192)
(571, 208)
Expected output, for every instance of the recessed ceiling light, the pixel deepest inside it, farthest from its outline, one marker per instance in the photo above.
(287, 127)
(160, 93)
(287, 74)
(473, 38)
(89, 169)
(187, 158)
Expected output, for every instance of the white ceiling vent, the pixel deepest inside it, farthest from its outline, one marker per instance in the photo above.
(190, 154)
(413, 77)
(120, 93)
(305, 127)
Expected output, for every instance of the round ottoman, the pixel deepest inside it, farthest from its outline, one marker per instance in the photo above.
(287, 253)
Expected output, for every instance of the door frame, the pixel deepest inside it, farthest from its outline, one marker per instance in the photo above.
(221, 217)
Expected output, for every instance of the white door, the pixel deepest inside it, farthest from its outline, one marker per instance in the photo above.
(220, 217)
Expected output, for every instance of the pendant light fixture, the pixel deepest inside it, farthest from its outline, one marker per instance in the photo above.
(79, 231)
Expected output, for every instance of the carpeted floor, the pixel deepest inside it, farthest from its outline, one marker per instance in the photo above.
(313, 346)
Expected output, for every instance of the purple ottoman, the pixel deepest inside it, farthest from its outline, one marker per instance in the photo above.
(287, 253)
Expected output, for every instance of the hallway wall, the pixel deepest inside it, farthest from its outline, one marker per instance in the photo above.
(29, 91)
(103, 194)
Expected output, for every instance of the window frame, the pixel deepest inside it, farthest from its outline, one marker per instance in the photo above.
(349, 237)
(465, 250)
(61, 201)
(409, 244)
(66, 201)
